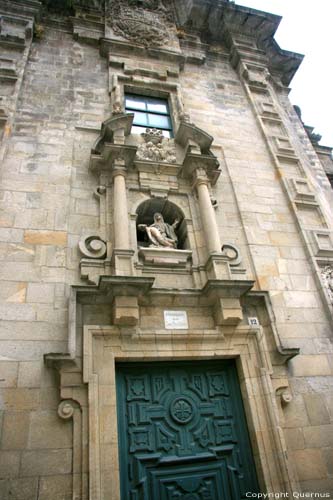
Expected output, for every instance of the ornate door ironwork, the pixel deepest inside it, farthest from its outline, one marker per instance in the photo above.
(182, 432)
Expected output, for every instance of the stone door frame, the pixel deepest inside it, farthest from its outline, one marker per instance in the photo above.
(104, 346)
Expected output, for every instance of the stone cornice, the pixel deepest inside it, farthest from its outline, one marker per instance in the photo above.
(21, 8)
(219, 19)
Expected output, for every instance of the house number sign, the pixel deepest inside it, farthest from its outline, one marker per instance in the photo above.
(175, 320)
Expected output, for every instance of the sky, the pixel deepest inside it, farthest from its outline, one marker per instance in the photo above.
(307, 28)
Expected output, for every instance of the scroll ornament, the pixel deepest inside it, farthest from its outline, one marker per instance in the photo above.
(92, 247)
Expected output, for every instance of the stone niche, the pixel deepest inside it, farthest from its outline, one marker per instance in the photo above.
(151, 255)
(170, 212)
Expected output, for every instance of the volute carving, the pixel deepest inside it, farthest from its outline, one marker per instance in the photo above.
(92, 247)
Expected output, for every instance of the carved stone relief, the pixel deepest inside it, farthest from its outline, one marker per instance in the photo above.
(327, 276)
(92, 247)
(144, 22)
(160, 233)
(156, 147)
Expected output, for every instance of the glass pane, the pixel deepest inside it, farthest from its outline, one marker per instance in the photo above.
(138, 130)
(135, 102)
(159, 121)
(157, 106)
(140, 119)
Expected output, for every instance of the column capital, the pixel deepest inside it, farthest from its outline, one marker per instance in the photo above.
(119, 168)
(200, 177)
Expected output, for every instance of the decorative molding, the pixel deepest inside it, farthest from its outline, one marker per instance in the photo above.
(165, 258)
(283, 146)
(232, 253)
(302, 190)
(66, 409)
(255, 75)
(248, 345)
(92, 247)
(322, 243)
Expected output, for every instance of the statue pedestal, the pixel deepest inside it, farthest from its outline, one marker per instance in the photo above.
(165, 257)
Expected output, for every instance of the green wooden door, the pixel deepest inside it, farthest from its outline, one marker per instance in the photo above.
(182, 432)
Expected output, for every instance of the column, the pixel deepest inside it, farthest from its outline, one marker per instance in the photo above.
(120, 211)
(207, 212)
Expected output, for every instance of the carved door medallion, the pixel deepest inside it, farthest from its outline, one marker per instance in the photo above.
(182, 432)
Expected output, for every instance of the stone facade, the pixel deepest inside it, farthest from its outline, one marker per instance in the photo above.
(79, 292)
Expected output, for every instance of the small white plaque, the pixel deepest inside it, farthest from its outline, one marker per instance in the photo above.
(253, 321)
(175, 320)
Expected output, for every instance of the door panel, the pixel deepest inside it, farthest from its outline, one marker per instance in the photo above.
(182, 432)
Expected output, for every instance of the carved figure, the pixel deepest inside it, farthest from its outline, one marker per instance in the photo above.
(327, 275)
(160, 233)
(156, 147)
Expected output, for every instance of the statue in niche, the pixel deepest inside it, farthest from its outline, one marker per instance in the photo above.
(160, 233)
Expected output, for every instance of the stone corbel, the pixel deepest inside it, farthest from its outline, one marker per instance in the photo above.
(125, 290)
(284, 394)
(227, 294)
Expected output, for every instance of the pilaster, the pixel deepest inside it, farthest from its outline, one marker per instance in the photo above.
(262, 88)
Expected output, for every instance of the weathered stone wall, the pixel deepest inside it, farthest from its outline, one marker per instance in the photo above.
(47, 204)
(254, 213)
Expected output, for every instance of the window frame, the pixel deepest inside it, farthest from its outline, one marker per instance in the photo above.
(146, 100)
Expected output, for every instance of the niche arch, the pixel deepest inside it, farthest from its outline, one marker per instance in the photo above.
(170, 212)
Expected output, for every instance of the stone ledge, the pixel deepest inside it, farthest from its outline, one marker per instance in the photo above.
(165, 257)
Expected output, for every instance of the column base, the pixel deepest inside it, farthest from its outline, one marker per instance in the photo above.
(122, 262)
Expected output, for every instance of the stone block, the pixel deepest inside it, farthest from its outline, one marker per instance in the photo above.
(125, 311)
(4, 489)
(309, 464)
(20, 399)
(307, 366)
(15, 430)
(56, 238)
(29, 374)
(46, 462)
(17, 312)
(301, 299)
(316, 409)
(47, 430)
(25, 488)
(294, 439)
(295, 413)
(9, 373)
(9, 464)
(57, 487)
(318, 436)
(41, 292)
(11, 235)
(319, 486)
(328, 457)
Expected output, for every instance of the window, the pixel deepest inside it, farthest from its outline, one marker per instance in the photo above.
(149, 112)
